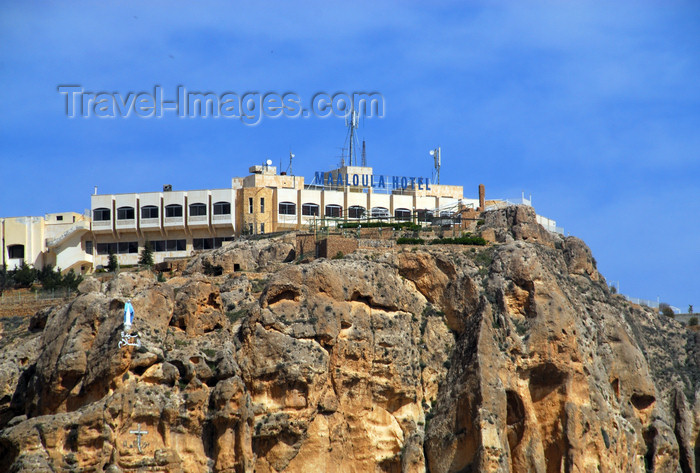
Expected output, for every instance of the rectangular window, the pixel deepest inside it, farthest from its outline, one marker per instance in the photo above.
(250, 205)
(15, 251)
(125, 213)
(88, 247)
(100, 215)
(173, 210)
(59, 217)
(158, 245)
(262, 205)
(150, 211)
(222, 208)
(198, 210)
(117, 248)
(262, 228)
(202, 243)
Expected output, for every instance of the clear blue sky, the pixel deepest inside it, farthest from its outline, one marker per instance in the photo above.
(591, 107)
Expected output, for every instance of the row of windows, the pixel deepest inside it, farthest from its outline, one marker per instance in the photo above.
(285, 208)
(151, 211)
(120, 248)
(209, 243)
(169, 245)
(336, 211)
(250, 205)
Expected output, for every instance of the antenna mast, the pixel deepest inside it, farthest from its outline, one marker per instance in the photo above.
(364, 154)
(352, 123)
(435, 153)
(291, 156)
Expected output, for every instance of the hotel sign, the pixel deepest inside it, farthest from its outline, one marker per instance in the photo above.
(368, 180)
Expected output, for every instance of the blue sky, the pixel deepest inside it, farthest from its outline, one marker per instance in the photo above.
(591, 107)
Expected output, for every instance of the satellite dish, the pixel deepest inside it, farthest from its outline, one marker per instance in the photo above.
(269, 162)
(292, 155)
(432, 152)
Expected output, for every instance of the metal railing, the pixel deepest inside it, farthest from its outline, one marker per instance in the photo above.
(649, 303)
(7, 298)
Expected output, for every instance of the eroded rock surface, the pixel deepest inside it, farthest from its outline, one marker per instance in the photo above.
(514, 357)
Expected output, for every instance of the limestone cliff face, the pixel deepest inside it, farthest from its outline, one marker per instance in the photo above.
(513, 357)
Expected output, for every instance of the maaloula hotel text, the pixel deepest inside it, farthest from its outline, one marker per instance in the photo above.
(178, 223)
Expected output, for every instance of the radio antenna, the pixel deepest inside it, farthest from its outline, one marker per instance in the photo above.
(435, 153)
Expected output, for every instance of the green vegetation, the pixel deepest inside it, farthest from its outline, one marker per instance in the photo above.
(233, 316)
(463, 240)
(665, 309)
(146, 258)
(212, 269)
(466, 239)
(112, 263)
(338, 255)
(396, 226)
(257, 285)
(693, 321)
(50, 278)
(410, 241)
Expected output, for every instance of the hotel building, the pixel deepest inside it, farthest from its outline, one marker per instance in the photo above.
(176, 223)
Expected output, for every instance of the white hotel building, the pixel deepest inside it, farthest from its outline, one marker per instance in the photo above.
(176, 223)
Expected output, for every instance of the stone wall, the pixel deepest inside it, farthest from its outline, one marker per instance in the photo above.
(306, 245)
(330, 246)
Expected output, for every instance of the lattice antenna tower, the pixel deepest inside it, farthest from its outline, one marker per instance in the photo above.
(352, 121)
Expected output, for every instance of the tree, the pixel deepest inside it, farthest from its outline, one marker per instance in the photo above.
(112, 263)
(146, 258)
(71, 281)
(24, 276)
(690, 309)
(613, 289)
(666, 310)
(49, 278)
(693, 321)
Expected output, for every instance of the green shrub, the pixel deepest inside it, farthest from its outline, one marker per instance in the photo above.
(24, 276)
(112, 262)
(693, 321)
(212, 269)
(410, 241)
(666, 310)
(146, 258)
(463, 240)
(339, 255)
(396, 226)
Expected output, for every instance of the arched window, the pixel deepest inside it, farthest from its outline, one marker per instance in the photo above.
(197, 210)
(125, 213)
(334, 211)
(173, 210)
(309, 209)
(15, 251)
(149, 211)
(380, 212)
(403, 215)
(356, 211)
(288, 208)
(424, 215)
(222, 208)
(101, 214)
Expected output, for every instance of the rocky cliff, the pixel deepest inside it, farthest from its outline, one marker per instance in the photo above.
(513, 357)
